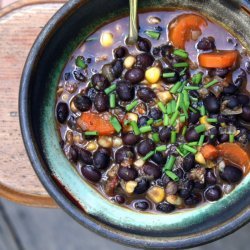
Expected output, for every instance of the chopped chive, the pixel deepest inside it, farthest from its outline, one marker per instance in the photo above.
(191, 88)
(194, 99)
(110, 89)
(186, 98)
(153, 34)
(80, 62)
(181, 65)
(197, 78)
(161, 148)
(145, 129)
(202, 110)
(166, 120)
(135, 127)
(150, 121)
(148, 155)
(112, 100)
(211, 83)
(200, 128)
(169, 108)
(170, 163)
(201, 140)
(211, 120)
(116, 124)
(190, 149)
(173, 137)
(181, 87)
(174, 117)
(179, 101)
(156, 137)
(231, 138)
(158, 121)
(172, 176)
(193, 143)
(168, 75)
(182, 118)
(173, 104)
(182, 73)
(181, 53)
(192, 109)
(174, 89)
(126, 122)
(90, 133)
(184, 130)
(162, 107)
(131, 105)
(179, 152)
(184, 110)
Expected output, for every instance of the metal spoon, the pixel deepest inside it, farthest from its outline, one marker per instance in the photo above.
(133, 25)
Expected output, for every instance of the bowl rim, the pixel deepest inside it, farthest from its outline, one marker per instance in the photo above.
(33, 152)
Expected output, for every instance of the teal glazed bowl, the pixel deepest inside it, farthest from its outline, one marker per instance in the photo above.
(47, 58)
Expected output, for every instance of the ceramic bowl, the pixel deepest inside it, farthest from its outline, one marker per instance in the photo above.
(60, 37)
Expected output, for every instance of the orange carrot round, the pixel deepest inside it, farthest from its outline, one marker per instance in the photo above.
(209, 152)
(180, 28)
(234, 153)
(218, 59)
(95, 122)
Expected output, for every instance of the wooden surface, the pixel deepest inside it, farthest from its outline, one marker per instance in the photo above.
(20, 23)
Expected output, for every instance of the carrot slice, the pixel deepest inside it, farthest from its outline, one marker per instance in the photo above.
(96, 122)
(219, 59)
(181, 27)
(209, 152)
(234, 153)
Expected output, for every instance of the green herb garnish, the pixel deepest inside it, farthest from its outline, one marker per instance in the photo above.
(153, 34)
(130, 106)
(116, 124)
(110, 89)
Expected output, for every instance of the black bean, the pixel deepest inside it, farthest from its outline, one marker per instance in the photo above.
(179, 172)
(223, 138)
(120, 52)
(117, 67)
(67, 76)
(220, 72)
(194, 93)
(146, 94)
(233, 102)
(156, 51)
(125, 155)
(240, 79)
(144, 60)
(101, 159)
(134, 75)
(143, 44)
(101, 102)
(155, 113)
(210, 178)
(127, 173)
(173, 79)
(212, 104)
(213, 193)
(243, 99)
(242, 137)
(199, 186)
(119, 199)
(125, 91)
(230, 90)
(166, 50)
(192, 135)
(231, 174)
(73, 154)
(145, 147)
(91, 93)
(142, 186)
(158, 158)
(165, 207)
(62, 112)
(192, 200)
(130, 139)
(79, 76)
(165, 134)
(82, 102)
(141, 205)
(194, 117)
(84, 156)
(189, 162)
(152, 170)
(142, 121)
(99, 82)
(90, 173)
(184, 193)
(206, 43)
(245, 115)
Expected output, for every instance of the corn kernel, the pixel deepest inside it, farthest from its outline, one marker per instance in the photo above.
(200, 158)
(105, 141)
(203, 119)
(174, 199)
(130, 186)
(153, 75)
(139, 163)
(106, 39)
(92, 145)
(156, 194)
(164, 96)
(129, 62)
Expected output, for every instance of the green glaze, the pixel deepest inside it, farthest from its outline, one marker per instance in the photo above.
(90, 200)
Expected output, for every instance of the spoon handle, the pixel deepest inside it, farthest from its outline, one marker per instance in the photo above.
(133, 27)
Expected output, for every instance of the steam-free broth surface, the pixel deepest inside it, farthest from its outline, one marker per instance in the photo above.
(153, 126)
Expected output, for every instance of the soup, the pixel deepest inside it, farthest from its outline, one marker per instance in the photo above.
(161, 125)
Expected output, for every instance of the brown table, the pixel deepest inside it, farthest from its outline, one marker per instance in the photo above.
(20, 23)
